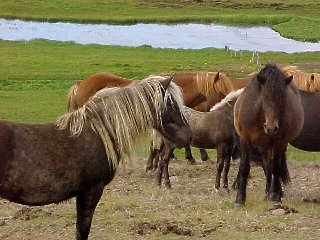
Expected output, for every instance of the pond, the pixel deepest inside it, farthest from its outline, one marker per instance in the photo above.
(186, 36)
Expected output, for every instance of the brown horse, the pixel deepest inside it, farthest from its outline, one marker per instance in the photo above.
(267, 115)
(305, 81)
(196, 86)
(41, 164)
(309, 138)
(211, 130)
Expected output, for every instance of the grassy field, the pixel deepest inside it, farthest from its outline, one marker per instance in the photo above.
(286, 17)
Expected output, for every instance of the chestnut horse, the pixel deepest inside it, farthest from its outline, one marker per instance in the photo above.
(267, 115)
(196, 86)
(305, 81)
(78, 156)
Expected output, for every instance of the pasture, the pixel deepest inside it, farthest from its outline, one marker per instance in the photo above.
(35, 77)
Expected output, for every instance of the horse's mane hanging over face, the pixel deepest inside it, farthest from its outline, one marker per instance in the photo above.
(273, 83)
(120, 115)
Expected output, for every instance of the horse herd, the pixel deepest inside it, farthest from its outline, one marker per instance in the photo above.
(259, 115)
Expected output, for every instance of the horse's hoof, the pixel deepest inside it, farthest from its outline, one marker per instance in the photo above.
(238, 205)
(191, 161)
(226, 189)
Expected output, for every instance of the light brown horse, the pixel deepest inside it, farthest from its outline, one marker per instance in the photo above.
(305, 81)
(196, 86)
(267, 115)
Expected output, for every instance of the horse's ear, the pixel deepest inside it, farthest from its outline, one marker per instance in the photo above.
(216, 77)
(261, 79)
(312, 77)
(289, 79)
(165, 82)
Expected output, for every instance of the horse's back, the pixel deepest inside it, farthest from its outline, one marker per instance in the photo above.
(308, 138)
(42, 165)
(90, 85)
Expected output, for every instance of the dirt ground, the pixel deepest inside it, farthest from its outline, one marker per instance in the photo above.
(134, 207)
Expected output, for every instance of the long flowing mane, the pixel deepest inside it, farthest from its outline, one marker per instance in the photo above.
(304, 80)
(207, 85)
(315, 82)
(231, 97)
(71, 96)
(120, 115)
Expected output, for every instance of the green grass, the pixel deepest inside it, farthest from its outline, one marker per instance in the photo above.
(129, 12)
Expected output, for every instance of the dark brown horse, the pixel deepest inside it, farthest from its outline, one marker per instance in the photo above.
(210, 130)
(309, 137)
(41, 164)
(268, 115)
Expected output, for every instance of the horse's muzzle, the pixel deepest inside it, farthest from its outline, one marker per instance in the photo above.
(271, 130)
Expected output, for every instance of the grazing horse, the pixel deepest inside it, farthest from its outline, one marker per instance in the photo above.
(78, 155)
(267, 116)
(210, 130)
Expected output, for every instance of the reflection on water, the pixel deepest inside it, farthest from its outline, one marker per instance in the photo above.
(187, 36)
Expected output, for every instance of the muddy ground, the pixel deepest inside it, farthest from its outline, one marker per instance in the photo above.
(134, 207)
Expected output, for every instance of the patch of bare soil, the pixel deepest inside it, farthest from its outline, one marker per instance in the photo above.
(134, 207)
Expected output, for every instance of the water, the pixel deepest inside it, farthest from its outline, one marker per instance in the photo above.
(186, 36)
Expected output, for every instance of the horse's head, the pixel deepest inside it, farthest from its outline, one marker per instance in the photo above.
(173, 124)
(273, 84)
(222, 85)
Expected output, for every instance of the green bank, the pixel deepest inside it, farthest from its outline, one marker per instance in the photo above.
(286, 17)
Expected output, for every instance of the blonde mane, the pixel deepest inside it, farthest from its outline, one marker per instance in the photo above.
(120, 115)
(231, 97)
(207, 84)
(303, 80)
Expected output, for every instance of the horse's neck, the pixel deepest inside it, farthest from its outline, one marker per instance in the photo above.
(240, 82)
(109, 80)
(187, 81)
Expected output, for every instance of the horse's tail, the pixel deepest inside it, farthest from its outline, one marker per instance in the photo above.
(284, 172)
(71, 96)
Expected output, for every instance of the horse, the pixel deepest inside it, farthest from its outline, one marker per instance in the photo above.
(210, 130)
(304, 81)
(267, 116)
(308, 138)
(78, 155)
(196, 87)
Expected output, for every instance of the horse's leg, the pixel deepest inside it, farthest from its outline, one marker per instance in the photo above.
(152, 154)
(166, 159)
(227, 159)
(276, 189)
(244, 170)
(267, 168)
(86, 204)
(189, 156)
(204, 154)
(161, 165)
(220, 165)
